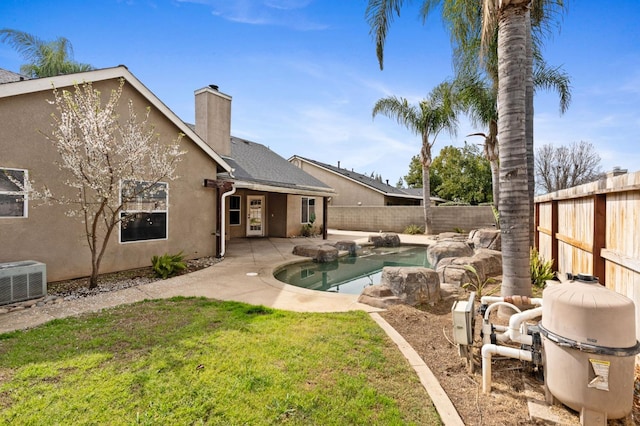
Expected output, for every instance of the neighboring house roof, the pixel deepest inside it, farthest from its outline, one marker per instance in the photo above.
(364, 180)
(10, 77)
(18, 87)
(255, 166)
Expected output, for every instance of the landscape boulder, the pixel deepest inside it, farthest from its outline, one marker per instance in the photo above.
(486, 238)
(413, 285)
(385, 240)
(347, 245)
(444, 249)
(487, 263)
(379, 296)
(320, 254)
(452, 236)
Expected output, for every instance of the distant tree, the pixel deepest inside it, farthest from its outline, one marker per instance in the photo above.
(566, 166)
(414, 177)
(400, 183)
(464, 173)
(110, 163)
(427, 119)
(45, 58)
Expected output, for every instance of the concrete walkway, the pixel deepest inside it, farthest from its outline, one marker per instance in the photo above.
(246, 275)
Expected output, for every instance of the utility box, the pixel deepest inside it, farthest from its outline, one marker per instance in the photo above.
(462, 312)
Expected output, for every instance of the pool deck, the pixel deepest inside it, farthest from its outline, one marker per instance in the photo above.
(246, 275)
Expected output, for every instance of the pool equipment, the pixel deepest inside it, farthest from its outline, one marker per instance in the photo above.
(584, 345)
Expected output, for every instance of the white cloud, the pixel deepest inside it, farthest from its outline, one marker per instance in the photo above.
(282, 13)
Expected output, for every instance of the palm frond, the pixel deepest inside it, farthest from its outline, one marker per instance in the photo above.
(379, 15)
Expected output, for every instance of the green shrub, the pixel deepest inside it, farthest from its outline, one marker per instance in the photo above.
(413, 230)
(541, 271)
(168, 264)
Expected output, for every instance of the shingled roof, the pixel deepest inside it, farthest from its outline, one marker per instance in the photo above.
(367, 181)
(11, 77)
(252, 162)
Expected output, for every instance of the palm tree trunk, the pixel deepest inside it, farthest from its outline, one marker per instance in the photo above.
(425, 158)
(529, 130)
(492, 154)
(514, 195)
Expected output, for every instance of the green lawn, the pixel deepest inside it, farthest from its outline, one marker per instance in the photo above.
(197, 361)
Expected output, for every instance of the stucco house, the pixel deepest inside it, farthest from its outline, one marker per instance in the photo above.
(270, 196)
(356, 189)
(204, 207)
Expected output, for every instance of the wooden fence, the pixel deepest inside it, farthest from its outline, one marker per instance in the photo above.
(595, 229)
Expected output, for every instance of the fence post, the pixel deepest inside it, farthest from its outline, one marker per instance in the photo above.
(599, 236)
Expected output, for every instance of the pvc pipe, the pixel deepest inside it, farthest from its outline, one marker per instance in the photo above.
(515, 333)
(489, 350)
(486, 325)
(223, 225)
(516, 300)
(496, 305)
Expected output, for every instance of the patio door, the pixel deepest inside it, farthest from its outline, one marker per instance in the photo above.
(255, 216)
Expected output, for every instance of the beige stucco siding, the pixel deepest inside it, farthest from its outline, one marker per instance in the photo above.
(294, 214)
(348, 193)
(50, 236)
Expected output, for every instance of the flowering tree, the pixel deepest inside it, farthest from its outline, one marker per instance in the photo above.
(110, 162)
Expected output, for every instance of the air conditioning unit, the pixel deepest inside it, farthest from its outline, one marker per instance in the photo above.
(22, 280)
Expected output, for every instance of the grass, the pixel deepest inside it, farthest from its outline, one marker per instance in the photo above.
(198, 361)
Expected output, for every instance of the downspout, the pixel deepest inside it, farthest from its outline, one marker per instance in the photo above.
(223, 225)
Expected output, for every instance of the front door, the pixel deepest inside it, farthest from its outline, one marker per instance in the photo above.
(255, 216)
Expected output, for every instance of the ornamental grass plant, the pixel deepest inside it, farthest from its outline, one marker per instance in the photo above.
(185, 361)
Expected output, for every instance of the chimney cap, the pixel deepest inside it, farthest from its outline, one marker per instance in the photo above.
(214, 87)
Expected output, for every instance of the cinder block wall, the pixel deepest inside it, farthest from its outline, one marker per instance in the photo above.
(397, 218)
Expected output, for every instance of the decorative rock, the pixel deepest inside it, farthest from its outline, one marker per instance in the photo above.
(443, 249)
(347, 245)
(451, 236)
(379, 296)
(486, 238)
(491, 261)
(487, 263)
(414, 285)
(385, 240)
(321, 254)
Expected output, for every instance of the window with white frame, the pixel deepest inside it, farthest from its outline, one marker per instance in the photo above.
(144, 214)
(234, 210)
(13, 196)
(308, 210)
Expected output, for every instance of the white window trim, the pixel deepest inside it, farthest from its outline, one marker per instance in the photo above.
(165, 211)
(306, 200)
(24, 193)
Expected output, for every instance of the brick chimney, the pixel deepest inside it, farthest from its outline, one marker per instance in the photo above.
(213, 119)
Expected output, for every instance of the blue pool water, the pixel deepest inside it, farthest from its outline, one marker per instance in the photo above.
(351, 274)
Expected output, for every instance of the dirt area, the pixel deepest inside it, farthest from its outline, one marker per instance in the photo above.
(428, 329)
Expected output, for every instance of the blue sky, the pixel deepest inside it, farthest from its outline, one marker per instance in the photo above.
(304, 76)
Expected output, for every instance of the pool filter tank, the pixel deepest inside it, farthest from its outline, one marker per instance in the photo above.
(589, 347)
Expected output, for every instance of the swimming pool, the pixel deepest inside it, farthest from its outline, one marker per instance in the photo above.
(351, 274)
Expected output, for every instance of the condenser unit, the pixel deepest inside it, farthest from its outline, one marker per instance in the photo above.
(22, 280)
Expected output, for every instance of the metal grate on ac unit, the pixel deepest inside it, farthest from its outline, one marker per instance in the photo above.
(22, 280)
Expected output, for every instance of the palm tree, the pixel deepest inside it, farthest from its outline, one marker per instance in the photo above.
(498, 21)
(514, 204)
(45, 58)
(427, 119)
